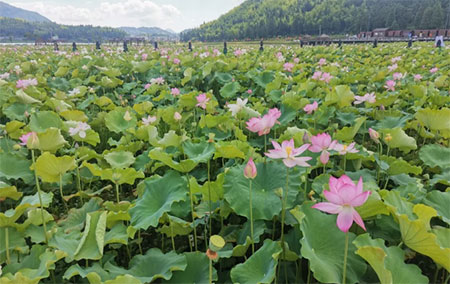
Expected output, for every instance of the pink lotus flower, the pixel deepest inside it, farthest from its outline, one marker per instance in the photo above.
(249, 91)
(175, 92)
(374, 135)
(397, 76)
(4, 75)
(147, 86)
(31, 140)
(317, 75)
(23, 84)
(344, 149)
(250, 169)
(310, 108)
(396, 59)
(417, 77)
(322, 143)
(434, 70)
(176, 61)
(157, 81)
(148, 120)
(296, 60)
(390, 85)
(369, 97)
(289, 153)
(393, 67)
(326, 77)
(202, 99)
(177, 116)
(288, 66)
(24, 138)
(322, 61)
(262, 125)
(343, 196)
(144, 56)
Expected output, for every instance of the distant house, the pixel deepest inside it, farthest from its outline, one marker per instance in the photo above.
(380, 32)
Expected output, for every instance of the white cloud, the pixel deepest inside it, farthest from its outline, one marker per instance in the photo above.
(126, 13)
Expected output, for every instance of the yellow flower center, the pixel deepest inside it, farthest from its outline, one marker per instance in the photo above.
(344, 147)
(288, 151)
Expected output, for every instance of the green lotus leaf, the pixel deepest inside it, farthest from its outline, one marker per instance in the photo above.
(323, 245)
(400, 140)
(92, 137)
(263, 78)
(216, 188)
(341, 95)
(110, 82)
(183, 166)
(244, 241)
(197, 270)
(41, 121)
(74, 115)
(33, 267)
(399, 166)
(51, 140)
(17, 243)
(15, 167)
(13, 128)
(151, 266)
(440, 201)
(26, 99)
(393, 122)
(9, 191)
(117, 235)
(260, 267)
(34, 216)
(443, 178)
(414, 222)
(16, 111)
(117, 120)
(187, 76)
(95, 273)
(199, 152)
(348, 133)
(228, 152)
(229, 90)
(50, 168)
(93, 238)
(124, 279)
(175, 226)
(118, 176)
(436, 120)
(158, 198)
(271, 179)
(119, 159)
(435, 155)
(388, 262)
(372, 207)
(170, 139)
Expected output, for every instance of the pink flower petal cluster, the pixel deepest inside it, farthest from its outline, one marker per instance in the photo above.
(176, 61)
(31, 137)
(23, 84)
(157, 81)
(322, 61)
(144, 56)
(250, 169)
(289, 153)
(434, 70)
(322, 143)
(310, 108)
(262, 125)
(322, 76)
(344, 149)
(396, 59)
(148, 120)
(374, 135)
(202, 100)
(393, 67)
(24, 138)
(288, 66)
(417, 77)
(343, 196)
(397, 76)
(81, 129)
(390, 85)
(369, 97)
(175, 92)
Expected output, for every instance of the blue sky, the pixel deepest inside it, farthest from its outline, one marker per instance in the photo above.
(176, 15)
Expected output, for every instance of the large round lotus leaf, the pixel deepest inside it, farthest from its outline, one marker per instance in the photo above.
(124, 279)
(120, 119)
(42, 120)
(229, 90)
(323, 245)
(49, 167)
(435, 156)
(16, 243)
(183, 166)
(15, 167)
(51, 140)
(94, 273)
(158, 198)
(151, 266)
(260, 267)
(388, 262)
(9, 191)
(93, 238)
(400, 139)
(120, 159)
(199, 152)
(197, 270)
(266, 189)
(440, 201)
(16, 111)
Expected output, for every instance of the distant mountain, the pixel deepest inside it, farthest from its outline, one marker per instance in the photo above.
(255, 19)
(150, 32)
(8, 11)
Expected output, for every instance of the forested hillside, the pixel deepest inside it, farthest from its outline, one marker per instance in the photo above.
(14, 29)
(270, 18)
(9, 11)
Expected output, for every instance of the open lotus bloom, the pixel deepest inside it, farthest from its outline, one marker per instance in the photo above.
(343, 196)
(262, 125)
(289, 153)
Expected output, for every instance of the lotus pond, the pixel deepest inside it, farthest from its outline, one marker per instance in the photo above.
(290, 165)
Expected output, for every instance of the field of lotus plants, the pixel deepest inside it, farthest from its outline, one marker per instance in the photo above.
(288, 165)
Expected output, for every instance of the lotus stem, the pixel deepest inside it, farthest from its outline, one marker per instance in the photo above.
(283, 214)
(40, 197)
(171, 235)
(117, 193)
(265, 143)
(209, 198)
(210, 271)
(345, 161)
(251, 217)
(61, 193)
(8, 259)
(344, 268)
(192, 212)
(140, 242)
(79, 186)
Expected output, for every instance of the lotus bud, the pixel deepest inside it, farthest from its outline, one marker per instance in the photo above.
(177, 116)
(388, 138)
(33, 141)
(374, 135)
(250, 169)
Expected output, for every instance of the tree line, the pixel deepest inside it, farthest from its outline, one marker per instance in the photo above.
(256, 19)
(17, 29)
